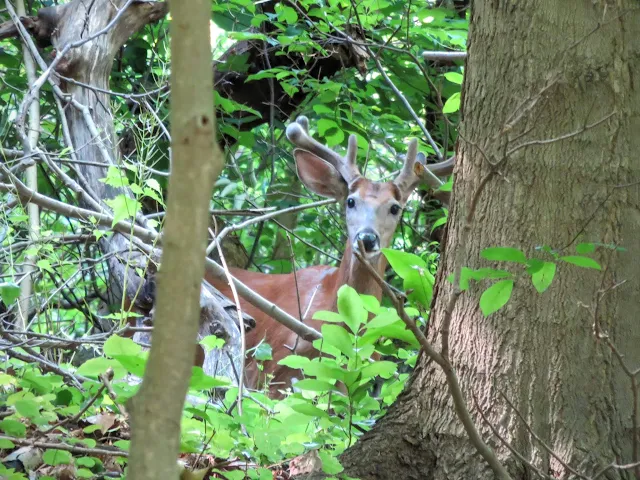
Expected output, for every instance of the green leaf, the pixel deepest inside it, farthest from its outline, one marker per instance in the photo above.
(294, 361)
(263, 352)
(123, 208)
(381, 368)
(533, 265)
(247, 36)
(452, 104)
(396, 330)
(115, 178)
(153, 184)
(91, 428)
(403, 263)
(84, 473)
(370, 302)
(211, 342)
(495, 297)
(383, 319)
(45, 265)
(28, 408)
(454, 77)
(122, 444)
(6, 444)
(13, 427)
(327, 316)
(56, 457)
(326, 369)
(543, 277)
(584, 262)
(330, 464)
(321, 109)
(420, 283)
(9, 293)
(88, 462)
(94, 367)
(231, 106)
(337, 337)
(310, 410)
(351, 308)
(315, 385)
(438, 223)
(325, 124)
(504, 254)
(583, 248)
(116, 345)
(286, 14)
(202, 381)
(6, 379)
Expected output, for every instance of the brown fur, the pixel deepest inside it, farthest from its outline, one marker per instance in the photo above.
(281, 290)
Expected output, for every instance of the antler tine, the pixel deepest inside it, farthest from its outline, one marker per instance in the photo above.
(352, 151)
(297, 133)
(406, 179)
(412, 173)
(304, 123)
(442, 169)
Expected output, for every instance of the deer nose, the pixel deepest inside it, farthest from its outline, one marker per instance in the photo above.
(370, 240)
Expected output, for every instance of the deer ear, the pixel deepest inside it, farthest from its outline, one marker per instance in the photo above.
(319, 175)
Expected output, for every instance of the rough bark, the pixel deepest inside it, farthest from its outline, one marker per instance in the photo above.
(197, 161)
(566, 65)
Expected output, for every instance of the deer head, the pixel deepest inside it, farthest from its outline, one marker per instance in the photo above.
(372, 209)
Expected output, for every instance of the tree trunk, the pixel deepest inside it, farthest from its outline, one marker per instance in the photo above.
(91, 133)
(565, 65)
(197, 161)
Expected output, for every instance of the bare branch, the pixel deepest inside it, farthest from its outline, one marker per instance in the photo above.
(109, 451)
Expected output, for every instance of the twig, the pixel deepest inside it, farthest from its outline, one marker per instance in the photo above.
(243, 335)
(114, 452)
(82, 411)
(506, 443)
(615, 466)
(395, 89)
(149, 236)
(561, 137)
(462, 410)
(239, 226)
(32, 357)
(539, 440)
(106, 382)
(446, 56)
(295, 281)
(632, 374)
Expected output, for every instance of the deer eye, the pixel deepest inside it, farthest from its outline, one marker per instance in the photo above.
(351, 202)
(395, 209)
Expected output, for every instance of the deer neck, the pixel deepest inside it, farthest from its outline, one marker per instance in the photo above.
(357, 276)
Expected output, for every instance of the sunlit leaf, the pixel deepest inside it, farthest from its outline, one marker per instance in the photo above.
(9, 293)
(338, 337)
(56, 457)
(543, 277)
(351, 308)
(505, 254)
(496, 296)
(584, 262)
(452, 104)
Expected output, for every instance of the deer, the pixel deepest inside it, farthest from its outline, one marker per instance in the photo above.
(372, 212)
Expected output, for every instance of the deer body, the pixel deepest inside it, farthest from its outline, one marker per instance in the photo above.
(317, 290)
(372, 211)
